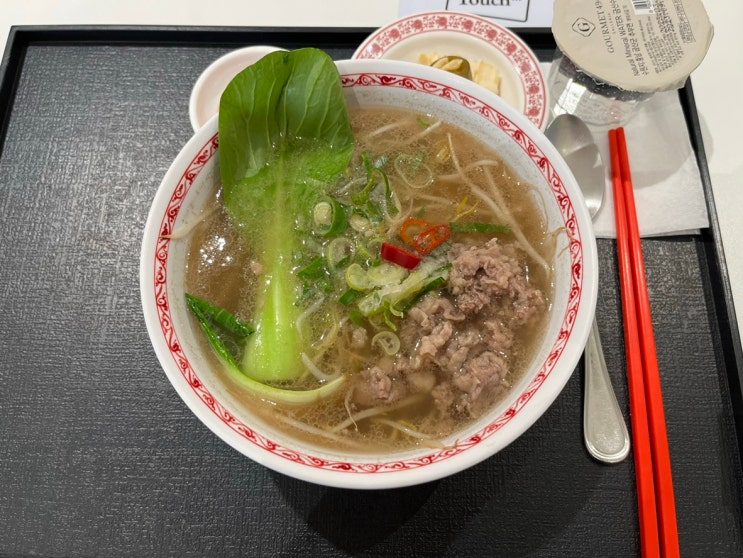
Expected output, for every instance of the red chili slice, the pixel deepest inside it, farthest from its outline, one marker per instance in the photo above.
(429, 239)
(399, 256)
(412, 227)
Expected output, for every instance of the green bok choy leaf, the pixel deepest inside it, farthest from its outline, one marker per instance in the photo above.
(223, 329)
(284, 138)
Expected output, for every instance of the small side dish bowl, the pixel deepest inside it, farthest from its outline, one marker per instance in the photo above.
(189, 185)
(477, 39)
(204, 100)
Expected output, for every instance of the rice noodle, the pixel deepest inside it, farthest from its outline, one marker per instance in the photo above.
(333, 346)
(438, 200)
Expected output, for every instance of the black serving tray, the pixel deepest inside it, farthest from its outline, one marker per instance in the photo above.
(100, 457)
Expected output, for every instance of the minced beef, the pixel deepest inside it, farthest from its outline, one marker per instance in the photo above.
(460, 344)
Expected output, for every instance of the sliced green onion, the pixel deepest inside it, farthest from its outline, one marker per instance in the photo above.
(374, 211)
(382, 275)
(322, 213)
(371, 304)
(370, 250)
(389, 312)
(474, 227)
(361, 197)
(349, 296)
(386, 273)
(374, 177)
(357, 278)
(329, 217)
(433, 285)
(389, 299)
(388, 341)
(359, 223)
(339, 252)
(313, 270)
(356, 317)
(413, 172)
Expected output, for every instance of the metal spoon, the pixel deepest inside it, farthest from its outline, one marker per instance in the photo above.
(604, 430)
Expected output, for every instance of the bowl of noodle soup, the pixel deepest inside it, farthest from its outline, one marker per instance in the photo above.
(395, 422)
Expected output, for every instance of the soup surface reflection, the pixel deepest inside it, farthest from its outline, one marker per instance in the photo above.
(424, 351)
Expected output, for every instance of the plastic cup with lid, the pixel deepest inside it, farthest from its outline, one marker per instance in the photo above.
(614, 54)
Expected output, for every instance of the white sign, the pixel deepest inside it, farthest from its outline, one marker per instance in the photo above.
(509, 13)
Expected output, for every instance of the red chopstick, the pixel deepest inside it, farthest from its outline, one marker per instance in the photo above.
(638, 410)
(656, 502)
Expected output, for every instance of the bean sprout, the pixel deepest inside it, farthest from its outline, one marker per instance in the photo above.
(405, 429)
(319, 432)
(378, 410)
(304, 315)
(386, 128)
(188, 228)
(496, 203)
(418, 176)
(402, 143)
(315, 371)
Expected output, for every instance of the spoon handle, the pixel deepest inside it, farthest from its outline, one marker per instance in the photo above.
(604, 429)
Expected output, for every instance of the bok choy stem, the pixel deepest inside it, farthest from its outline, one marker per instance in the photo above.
(285, 136)
(210, 317)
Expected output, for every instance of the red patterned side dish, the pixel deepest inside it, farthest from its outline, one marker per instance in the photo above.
(513, 48)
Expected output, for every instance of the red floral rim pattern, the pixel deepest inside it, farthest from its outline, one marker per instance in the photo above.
(189, 374)
(513, 48)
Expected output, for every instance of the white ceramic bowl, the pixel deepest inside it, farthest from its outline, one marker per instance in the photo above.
(187, 186)
(472, 37)
(207, 90)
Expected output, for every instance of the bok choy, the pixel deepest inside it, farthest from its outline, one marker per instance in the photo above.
(224, 331)
(284, 137)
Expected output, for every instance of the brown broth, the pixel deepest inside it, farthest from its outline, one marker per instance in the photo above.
(220, 269)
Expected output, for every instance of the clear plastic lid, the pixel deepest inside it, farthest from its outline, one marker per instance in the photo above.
(636, 45)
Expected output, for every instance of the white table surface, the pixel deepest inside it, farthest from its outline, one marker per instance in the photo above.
(718, 82)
